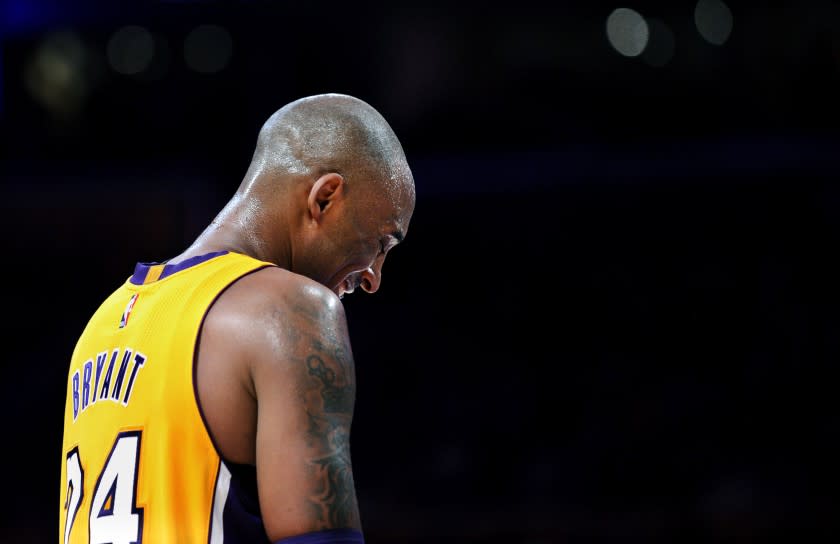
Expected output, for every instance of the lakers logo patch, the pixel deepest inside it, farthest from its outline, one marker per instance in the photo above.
(128, 307)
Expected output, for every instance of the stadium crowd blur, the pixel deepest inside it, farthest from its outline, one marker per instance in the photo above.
(615, 317)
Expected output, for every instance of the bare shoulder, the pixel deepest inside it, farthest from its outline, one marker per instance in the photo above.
(273, 318)
(278, 319)
(276, 287)
(272, 303)
(298, 325)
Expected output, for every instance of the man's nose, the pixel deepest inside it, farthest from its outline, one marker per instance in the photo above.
(371, 278)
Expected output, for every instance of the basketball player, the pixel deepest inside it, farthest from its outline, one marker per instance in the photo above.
(210, 397)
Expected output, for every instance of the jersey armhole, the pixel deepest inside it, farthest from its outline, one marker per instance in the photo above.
(194, 372)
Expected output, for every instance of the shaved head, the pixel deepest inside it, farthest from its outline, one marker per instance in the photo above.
(330, 133)
(327, 194)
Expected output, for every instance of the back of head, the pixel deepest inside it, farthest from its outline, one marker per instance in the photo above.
(331, 132)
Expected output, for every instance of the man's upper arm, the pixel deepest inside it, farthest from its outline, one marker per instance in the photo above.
(304, 380)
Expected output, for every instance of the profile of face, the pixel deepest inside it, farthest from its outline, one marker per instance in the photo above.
(357, 229)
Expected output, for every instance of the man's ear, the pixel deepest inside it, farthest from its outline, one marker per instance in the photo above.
(326, 190)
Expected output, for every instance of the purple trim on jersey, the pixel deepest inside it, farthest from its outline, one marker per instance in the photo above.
(243, 522)
(329, 536)
(142, 269)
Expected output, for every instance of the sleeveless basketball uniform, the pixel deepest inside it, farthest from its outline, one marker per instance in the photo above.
(138, 463)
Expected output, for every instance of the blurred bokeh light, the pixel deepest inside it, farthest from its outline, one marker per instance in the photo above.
(627, 31)
(208, 48)
(714, 20)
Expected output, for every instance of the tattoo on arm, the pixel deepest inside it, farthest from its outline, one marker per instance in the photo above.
(329, 407)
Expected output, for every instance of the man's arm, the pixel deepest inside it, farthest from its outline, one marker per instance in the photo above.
(304, 380)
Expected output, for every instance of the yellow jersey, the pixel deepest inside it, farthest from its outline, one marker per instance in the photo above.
(138, 463)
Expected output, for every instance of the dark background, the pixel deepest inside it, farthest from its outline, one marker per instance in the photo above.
(615, 316)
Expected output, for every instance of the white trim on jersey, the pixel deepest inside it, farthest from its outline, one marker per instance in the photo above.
(217, 529)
